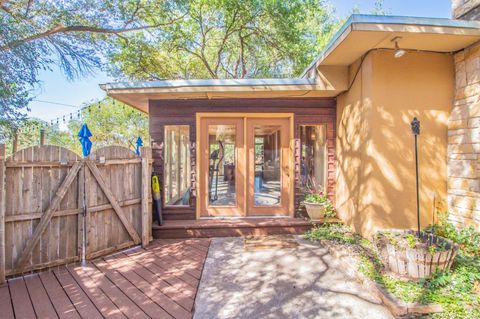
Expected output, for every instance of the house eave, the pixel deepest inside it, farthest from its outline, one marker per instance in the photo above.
(420, 34)
(137, 94)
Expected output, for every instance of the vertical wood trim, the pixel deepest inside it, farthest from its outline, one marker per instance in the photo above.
(81, 240)
(145, 182)
(2, 213)
(198, 151)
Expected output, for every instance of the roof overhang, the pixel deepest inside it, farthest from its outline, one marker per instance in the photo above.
(327, 75)
(362, 33)
(137, 94)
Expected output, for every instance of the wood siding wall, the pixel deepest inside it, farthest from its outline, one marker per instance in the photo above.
(183, 112)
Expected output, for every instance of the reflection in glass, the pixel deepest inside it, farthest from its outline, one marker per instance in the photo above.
(177, 165)
(221, 173)
(313, 163)
(267, 165)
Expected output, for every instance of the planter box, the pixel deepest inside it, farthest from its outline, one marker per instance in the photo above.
(316, 212)
(415, 262)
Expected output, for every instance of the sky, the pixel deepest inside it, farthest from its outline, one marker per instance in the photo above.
(56, 88)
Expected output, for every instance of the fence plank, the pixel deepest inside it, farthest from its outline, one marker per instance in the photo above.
(120, 213)
(44, 221)
(81, 215)
(2, 213)
(145, 185)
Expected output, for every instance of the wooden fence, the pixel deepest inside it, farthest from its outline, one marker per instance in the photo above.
(57, 208)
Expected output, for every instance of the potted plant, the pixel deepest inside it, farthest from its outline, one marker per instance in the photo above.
(410, 254)
(318, 206)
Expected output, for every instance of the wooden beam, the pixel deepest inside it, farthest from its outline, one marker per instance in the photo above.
(2, 213)
(146, 215)
(70, 212)
(116, 207)
(47, 216)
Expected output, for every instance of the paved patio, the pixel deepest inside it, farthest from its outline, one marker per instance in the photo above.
(158, 282)
(288, 281)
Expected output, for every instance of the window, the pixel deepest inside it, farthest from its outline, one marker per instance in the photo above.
(176, 181)
(313, 157)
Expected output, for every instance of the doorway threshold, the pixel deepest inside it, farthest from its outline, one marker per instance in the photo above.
(232, 227)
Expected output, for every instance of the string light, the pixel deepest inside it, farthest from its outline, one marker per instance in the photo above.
(79, 112)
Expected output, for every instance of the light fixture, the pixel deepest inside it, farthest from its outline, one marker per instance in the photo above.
(398, 52)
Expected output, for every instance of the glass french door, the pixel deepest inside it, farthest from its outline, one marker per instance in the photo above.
(268, 163)
(244, 166)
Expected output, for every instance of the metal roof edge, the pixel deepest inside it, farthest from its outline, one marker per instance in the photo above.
(406, 20)
(205, 83)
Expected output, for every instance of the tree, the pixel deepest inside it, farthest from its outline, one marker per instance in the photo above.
(71, 34)
(228, 39)
(111, 123)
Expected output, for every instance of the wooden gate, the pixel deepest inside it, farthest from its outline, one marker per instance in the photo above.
(57, 208)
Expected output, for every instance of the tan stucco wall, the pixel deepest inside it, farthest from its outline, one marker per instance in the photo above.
(375, 169)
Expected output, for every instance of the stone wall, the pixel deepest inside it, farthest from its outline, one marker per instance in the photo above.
(464, 128)
(464, 141)
(466, 9)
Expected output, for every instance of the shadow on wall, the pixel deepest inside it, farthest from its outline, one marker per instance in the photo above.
(375, 145)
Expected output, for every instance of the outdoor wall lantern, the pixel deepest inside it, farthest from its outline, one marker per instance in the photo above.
(398, 52)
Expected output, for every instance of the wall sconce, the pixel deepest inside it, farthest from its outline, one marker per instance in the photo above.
(398, 52)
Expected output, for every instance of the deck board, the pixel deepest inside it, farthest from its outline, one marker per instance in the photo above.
(22, 305)
(41, 303)
(6, 303)
(158, 282)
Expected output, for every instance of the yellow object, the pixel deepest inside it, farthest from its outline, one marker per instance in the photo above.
(155, 188)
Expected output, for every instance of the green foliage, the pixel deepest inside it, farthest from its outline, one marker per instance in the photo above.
(411, 240)
(467, 238)
(321, 199)
(72, 35)
(110, 124)
(454, 290)
(333, 231)
(228, 39)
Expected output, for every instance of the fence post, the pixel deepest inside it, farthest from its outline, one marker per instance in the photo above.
(42, 137)
(15, 141)
(2, 213)
(146, 154)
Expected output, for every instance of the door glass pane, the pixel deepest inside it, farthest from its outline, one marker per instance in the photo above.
(222, 161)
(176, 170)
(314, 154)
(267, 165)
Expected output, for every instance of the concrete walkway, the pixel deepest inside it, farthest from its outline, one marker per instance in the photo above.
(301, 282)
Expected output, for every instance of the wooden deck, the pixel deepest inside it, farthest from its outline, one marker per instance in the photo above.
(230, 227)
(158, 282)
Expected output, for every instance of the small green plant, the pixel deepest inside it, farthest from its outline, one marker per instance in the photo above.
(467, 238)
(411, 240)
(320, 198)
(315, 195)
(335, 232)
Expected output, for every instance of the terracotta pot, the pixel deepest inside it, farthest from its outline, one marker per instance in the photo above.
(315, 211)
